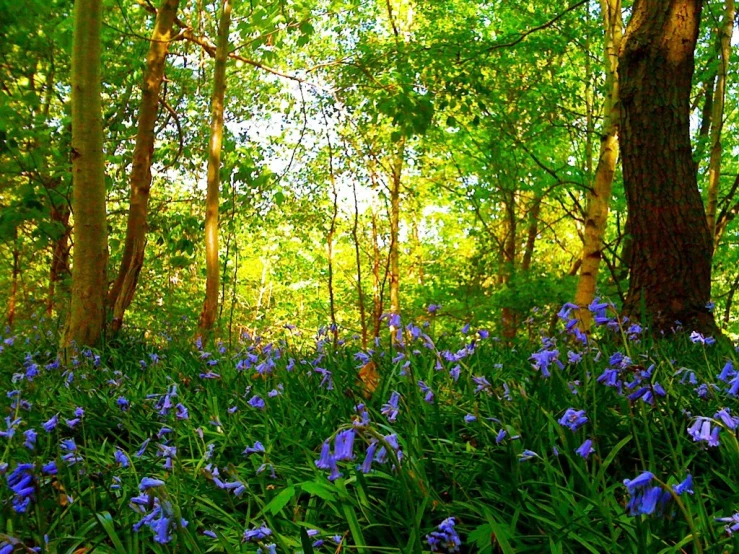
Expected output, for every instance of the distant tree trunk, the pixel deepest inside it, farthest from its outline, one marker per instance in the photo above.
(358, 258)
(12, 300)
(395, 177)
(671, 258)
(509, 264)
(124, 286)
(59, 253)
(717, 116)
(330, 240)
(599, 196)
(531, 232)
(210, 306)
(89, 271)
(377, 287)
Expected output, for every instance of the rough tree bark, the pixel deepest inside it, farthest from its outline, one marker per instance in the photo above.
(210, 306)
(599, 196)
(671, 258)
(123, 288)
(717, 115)
(90, 256)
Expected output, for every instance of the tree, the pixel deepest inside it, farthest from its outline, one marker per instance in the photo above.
(671, 257)
(599, 196)
(210, 305)
(124, 286)
(90, 255)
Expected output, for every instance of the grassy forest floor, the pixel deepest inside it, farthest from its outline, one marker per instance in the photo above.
(612, 443)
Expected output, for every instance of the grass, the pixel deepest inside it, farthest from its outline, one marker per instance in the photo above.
(527, 492)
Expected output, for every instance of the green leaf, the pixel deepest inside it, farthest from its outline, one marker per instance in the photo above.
(318, 489)
(305, 541)
(106, 521)
(280, 501)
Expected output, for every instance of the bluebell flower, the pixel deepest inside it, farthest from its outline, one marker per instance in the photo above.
(433, 308)
(585, 449)
(326, 380)
(527, 455)
(429, 394)
(545, 358)
(257, 402)
(366, 466)
(733, 523)
(257, 534)
(724, 415)
(344, 444)
(697, 338)
(71, 456)
(702, 431)
(123, 403)
(150, 483)
(181, 412)
(326, 459)
(23, 484)
(500, 436)
(50, 425)
(573, 419)
(257, 448)
(209, 375)
(445, 538)
(469, 418)
(685, 486)
(50, 468)
(121, 458)
(727, 372)
(455, 372)
(30, 436)
(210, 534)
(141, 450)
(390, 410)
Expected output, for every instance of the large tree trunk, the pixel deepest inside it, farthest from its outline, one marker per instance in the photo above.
(599, 197)
(717, 115)
(671, 258)
(122, 291)
(210, 306)
(89, 276)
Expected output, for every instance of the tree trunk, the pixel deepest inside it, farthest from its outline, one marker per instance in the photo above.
(377, 286)
(397, 169)
(599, 197)
(671, 258)
(12, 300)
(122, 291)
(59, 253)
(717, 116)
(509, 264)
(358, 258)
(89, 272)
(210, 306)
(531, 232)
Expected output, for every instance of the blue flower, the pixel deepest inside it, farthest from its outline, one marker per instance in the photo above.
(429, 394)
(685, 487)
(585, 449)
(257, 448)
(30, 436)
(573, 419)
(469, 418)
(123, 403)
(366, 466)
(257, 534)
(390, 410)
(121, 458)
(733, 522)
(701, 431)
(150, 483)
(527, 455)
(50, 425)
(344, 444)
(257, 402)
(445, 538)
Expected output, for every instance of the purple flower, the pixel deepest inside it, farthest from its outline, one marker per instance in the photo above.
(150, 483)
(50, 425)
(573, 419)
(701, 431)
(733, 522)
(482, 385)
(366, 466)
(123, 403)
(527, 455)
(433, 308)
(257, 534)
(257, 402)
(181, 412)
(429, 394)
(685, 487)
(344, 445)
(390, 410)
(545, 358)
(469, 418)
(30, 436)
(445, 538)
(121, 458)
(585, 449)
(257, 448)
